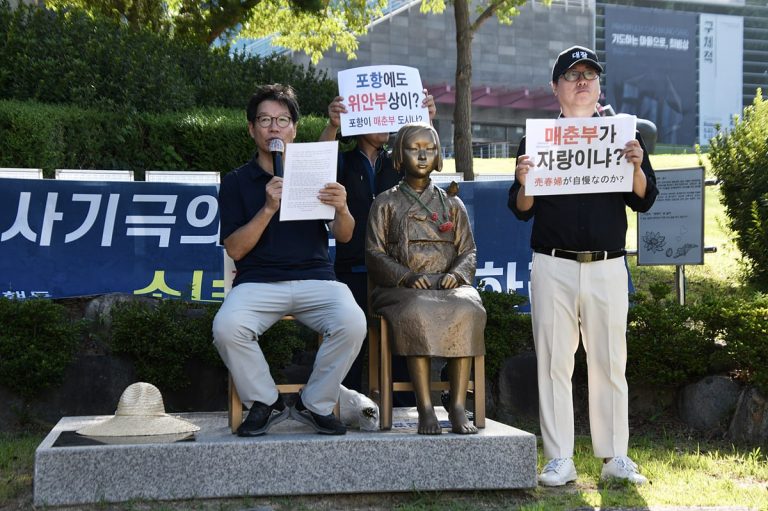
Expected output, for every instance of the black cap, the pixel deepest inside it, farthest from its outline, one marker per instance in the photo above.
(572, 56)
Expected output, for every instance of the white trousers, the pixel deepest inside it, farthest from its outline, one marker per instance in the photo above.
(568, 297)
(325, 306)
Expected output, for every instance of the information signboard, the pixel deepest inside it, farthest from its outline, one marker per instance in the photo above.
(672, 231)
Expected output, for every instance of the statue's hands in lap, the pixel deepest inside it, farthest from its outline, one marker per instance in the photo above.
(448, 281)
(417, 281)
(422, 281)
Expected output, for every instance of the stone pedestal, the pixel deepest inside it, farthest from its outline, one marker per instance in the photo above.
(290, 460)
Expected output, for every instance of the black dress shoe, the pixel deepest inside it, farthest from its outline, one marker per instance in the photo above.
(323, 424)
(261, 417)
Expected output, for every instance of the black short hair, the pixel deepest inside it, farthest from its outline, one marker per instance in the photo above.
(274, 92)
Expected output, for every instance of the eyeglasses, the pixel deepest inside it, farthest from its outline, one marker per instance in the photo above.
(572, 75)
(265, 121)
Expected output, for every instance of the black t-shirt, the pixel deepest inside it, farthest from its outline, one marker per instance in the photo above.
(589, 221)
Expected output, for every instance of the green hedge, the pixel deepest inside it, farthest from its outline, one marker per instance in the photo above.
(668, 345)
(35, 135)
(743, 334)
(673, 345)
(162, 336)
(507, 331)
(66, 57)
(77, 92)
(38, 341)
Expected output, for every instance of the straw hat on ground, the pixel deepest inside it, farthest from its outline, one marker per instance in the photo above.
(140, 412)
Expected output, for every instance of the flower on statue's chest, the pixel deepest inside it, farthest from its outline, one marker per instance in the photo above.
(444, 223)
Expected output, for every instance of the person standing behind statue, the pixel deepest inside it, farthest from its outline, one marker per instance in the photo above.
(282, 268)
(365, 171)
(421, 256)
(569, 297)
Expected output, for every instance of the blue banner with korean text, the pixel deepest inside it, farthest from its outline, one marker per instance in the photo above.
(503, 241)
(75, 238)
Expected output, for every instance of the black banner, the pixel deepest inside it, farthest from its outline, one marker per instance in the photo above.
(651, 68)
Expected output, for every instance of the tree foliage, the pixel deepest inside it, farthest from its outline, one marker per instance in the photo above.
(69, 57)
(150, 14)
(311, 26)
(309, 41)
(739, 159)
(338, 24)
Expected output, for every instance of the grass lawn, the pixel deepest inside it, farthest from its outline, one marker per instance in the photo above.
(684, 469)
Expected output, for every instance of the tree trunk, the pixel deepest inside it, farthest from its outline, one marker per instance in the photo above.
(462, 114)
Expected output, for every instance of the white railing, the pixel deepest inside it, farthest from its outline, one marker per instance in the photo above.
(14, 173)
(93, 175)
(489, 150)
(181, 176)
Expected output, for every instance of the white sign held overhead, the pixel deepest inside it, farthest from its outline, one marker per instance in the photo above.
(381, 99)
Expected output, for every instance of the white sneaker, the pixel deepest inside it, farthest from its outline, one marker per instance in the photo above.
(557, 472)
(622, 467)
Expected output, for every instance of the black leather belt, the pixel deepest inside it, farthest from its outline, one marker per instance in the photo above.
(582, 257)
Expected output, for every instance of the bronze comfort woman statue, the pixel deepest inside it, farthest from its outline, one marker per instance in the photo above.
(421, 258)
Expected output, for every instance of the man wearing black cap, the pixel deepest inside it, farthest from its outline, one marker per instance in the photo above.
(579, 286)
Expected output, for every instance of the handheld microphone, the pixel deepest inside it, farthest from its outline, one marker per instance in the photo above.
(277, 147)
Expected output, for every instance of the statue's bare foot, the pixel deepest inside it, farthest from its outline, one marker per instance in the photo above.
(459, 422)
(428, 424)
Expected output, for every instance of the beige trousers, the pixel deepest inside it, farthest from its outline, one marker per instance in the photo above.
(325, 306)
(568, 298)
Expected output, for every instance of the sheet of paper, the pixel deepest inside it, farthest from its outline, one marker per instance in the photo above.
(308, 168)
(579, 155)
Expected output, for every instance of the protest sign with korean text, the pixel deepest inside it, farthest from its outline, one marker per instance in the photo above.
(380, 99)
(579, 155)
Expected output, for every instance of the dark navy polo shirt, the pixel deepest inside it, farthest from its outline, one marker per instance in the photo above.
(295, 250)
